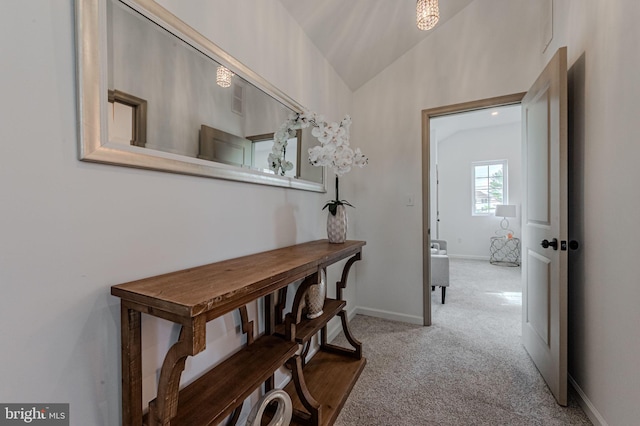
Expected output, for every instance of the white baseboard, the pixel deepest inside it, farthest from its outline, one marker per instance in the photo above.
(393, 316)
(587, 406)
(469, 257)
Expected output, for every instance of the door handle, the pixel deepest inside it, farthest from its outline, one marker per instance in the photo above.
(553, 243)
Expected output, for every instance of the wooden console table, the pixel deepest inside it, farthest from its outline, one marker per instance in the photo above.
(192, 297)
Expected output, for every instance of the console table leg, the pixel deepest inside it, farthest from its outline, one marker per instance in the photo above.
(270, 384)
(347, 332)
(294, 317)
(356, 352)
(247, 326)
(190, 342)
(342, 284)
(233, 419)
(313, 406)
(305, 351)
(281, 305)
(130, 323)
(269, 314)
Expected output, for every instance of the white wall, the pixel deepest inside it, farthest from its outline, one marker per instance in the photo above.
(602, 43)
(467, 235)
(491, 48)
(70, 230)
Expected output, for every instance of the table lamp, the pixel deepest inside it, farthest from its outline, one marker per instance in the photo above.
(505, 211)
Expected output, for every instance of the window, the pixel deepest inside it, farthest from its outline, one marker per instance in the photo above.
(261, 148)
(489, 186)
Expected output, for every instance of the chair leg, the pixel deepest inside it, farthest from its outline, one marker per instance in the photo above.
(444, 291)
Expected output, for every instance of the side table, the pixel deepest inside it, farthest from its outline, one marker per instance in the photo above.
(505, 251)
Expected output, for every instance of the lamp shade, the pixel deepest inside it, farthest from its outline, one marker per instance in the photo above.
(506, 210)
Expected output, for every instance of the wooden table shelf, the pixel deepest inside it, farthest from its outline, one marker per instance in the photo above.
(215, 395)
(308, 328)
(194, 296)
(329, 377)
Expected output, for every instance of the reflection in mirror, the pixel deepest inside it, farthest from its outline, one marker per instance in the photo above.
(262, 146)
(223, 147)
(171, 106)
(127, 120)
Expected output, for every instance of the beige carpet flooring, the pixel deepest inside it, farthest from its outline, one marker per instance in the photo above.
(469, 368)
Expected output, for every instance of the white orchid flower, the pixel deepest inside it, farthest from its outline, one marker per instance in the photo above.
(359, 159)
(333, 151)
(286, 166)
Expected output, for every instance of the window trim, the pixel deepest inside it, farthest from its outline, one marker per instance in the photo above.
(505, 186)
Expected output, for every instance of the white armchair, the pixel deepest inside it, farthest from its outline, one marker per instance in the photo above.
(439, 266)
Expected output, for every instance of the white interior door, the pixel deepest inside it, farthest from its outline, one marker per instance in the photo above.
(544, 223)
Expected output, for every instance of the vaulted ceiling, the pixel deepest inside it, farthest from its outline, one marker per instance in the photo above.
(360, 38)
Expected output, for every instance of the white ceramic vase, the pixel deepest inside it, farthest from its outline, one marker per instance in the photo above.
(315, 295)
(337, 225)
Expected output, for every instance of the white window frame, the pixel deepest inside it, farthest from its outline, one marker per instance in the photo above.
(505, 187)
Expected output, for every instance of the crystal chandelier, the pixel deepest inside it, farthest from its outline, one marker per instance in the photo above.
(427, 14)
(223, 76)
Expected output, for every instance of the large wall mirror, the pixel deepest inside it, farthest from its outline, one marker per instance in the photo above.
(156, 94)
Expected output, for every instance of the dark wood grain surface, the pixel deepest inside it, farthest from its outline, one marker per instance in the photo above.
(227, 285)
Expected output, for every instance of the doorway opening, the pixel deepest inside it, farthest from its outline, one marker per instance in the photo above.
(465, 176)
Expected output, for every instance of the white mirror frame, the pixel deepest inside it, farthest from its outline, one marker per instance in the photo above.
(91, 53)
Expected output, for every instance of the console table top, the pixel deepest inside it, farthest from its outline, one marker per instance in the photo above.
(224, 286)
